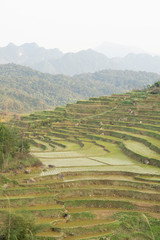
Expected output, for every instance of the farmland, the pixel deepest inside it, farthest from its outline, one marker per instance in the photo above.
(100, 177)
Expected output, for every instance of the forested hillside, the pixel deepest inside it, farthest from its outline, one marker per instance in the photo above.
(25, 90)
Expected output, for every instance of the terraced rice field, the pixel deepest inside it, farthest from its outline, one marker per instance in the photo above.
(103, 181)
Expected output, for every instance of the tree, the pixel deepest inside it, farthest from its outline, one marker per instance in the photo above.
(18, 227)
(12, 143)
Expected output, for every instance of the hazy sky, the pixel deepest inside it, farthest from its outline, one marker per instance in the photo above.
(72, 25)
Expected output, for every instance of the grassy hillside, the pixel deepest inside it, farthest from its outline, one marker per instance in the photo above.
(101, 174)
(25, 90)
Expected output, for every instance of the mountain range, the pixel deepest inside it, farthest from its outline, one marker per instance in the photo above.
(56, 62)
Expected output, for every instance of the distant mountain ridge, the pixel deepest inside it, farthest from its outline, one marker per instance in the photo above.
(53, 61)
(28, 53)
(25, 90)
(114, 50)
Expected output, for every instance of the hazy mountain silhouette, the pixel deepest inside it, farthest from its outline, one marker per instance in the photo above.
(27, 54)
(55, 62)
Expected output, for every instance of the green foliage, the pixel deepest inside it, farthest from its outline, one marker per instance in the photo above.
(135, 226)
(39, 91)
(11, 141)
(155, 226)
(7, 143)
(157, 84)
(14, 149)
(5, 180)
(18, 227)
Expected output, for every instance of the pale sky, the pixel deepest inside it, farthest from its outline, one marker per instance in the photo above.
(72, 25)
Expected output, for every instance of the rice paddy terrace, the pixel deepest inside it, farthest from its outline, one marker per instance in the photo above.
(101, 173)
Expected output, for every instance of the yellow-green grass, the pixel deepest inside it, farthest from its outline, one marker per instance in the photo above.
(104, 188)
(115, 156)
(99, 210)
(90, 236)
(91, 149)
(49, 234)
(141, 149)
(51, 189)
(80, 223)
(70, 146)
(130, 130)
(35, 149)
(139, 169)
(72, 158)
(46, 220)
(71, 162)
(35, 207)
(115, 200)
(60, 155)
(48, 147)
(151, 178)
(87, 155)
(42, 184)
(152, 140)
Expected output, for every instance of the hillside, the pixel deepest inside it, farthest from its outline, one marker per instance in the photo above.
(53, 61)
(26, 90)
(101, 174)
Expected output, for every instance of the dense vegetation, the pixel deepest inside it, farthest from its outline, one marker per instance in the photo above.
(157, 84)
(14, 149)
(14, 155)
(25, 90)
(19, 227)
